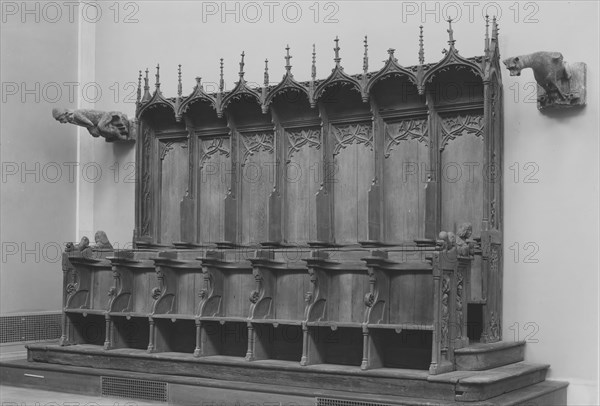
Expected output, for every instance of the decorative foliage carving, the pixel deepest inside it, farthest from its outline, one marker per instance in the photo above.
(350, 134)
(445, 330)
(146, 185)
(459, 303)
(156, 292)
(209, 148)
(406, 130)
(113, 291)
(164, 148)
(445, 312)
(458, 125)
(494, 328)
(257, 142)
(300, 138)
(208, 284)
(162, 287)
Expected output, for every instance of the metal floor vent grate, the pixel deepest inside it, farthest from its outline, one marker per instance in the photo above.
(344, 402)
(30, 327)
(134, 388)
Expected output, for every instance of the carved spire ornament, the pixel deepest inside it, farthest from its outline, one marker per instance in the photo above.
(487, 36)
(242, 66)
(337, 58)
(450, 31)
(313, 73)
(179, 87)
(157, 84)
(221, 80)
(366, 57)
(139, 89)
(147, 95)
(421, 48)
(266, 75)
(288, 67)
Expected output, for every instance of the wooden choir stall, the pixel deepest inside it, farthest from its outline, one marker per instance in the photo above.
(334, 242)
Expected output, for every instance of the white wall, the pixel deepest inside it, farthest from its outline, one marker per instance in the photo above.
(38, 199)
(558, 294)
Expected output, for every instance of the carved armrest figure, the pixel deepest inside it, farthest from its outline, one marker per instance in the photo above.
(102, 241)
(83, 245)
(112, 125)
(563, 84)
(464, 244)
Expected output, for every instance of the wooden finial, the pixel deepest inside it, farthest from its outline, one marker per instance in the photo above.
(314, 64)
(179, 87)
(221, 81)
(146, 87)
(366, 56)
(242, 66)
(337, 58)
(266, 72)
(421, 48)
(139, 88)
(391, 56)
(288, 67)
(495, 29)
(157, 84)
(451, 40)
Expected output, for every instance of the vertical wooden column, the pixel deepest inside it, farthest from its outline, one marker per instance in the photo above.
(433, 207)
(491, 242)
(463, 289)
(275, 198)
(325, 196)
(108, 336)
(232, 229)
(188, 203)
(375, 202)
(145, 151)
(444, 317)
(67, 269)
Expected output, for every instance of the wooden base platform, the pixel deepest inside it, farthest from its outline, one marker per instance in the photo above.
(185, 379)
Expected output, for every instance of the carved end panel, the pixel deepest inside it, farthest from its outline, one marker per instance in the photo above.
(188, 220)
(571, 90)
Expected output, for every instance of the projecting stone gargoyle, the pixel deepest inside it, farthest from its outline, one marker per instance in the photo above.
(112, 125)
(549, 71)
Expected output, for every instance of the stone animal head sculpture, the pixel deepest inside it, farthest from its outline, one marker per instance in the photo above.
(549, 71)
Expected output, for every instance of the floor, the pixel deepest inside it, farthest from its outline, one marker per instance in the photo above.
(13, 396)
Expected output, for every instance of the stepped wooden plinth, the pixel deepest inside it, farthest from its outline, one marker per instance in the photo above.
(218, 378)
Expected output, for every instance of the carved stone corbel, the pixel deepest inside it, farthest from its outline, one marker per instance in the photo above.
(113, 126)
(560, 85)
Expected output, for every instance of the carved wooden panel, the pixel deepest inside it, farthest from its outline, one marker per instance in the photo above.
(405, 169)
(214, 178)
(237, 286)
(291, 289)
(258, 176)
(303, 175)
(173, 161)
(462, 170)
(351, 175)
(410, 297)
